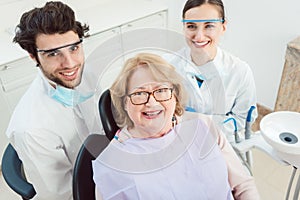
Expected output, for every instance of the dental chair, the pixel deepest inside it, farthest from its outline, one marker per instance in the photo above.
(94, 144)
(83, 184)
(13, 174)
(106, 115)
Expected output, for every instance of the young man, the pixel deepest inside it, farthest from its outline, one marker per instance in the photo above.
(46, 128)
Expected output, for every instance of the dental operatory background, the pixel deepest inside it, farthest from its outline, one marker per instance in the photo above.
(257, 32)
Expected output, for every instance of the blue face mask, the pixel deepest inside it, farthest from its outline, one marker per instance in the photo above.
(68, 97)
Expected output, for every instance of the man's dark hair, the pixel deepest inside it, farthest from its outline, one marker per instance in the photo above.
(54, 17)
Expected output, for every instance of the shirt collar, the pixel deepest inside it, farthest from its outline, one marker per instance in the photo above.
(48, 87)
(209, 70)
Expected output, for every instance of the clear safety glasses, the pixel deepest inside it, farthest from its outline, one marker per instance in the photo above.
(207, 26)
(57, 54)
(203, 20)
(142, 97)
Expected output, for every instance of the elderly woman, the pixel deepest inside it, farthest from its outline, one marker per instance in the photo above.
(160, 152)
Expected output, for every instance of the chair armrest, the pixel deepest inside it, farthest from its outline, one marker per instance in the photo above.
(13, 174)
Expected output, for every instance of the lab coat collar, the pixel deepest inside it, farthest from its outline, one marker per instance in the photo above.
(212, 68)
(46, 82)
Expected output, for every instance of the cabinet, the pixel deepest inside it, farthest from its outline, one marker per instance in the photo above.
(116, 41)
(157, 20)
(16, 76)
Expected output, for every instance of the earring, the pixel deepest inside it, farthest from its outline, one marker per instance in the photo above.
(174, 121)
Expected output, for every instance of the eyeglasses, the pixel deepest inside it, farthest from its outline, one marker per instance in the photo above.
(56, 54)
(142, 97)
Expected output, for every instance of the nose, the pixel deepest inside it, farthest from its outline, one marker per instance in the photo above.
(151, 100)
(199, 33)
(68, 60)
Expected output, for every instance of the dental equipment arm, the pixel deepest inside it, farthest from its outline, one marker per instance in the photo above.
(236, 135)
(248, 123)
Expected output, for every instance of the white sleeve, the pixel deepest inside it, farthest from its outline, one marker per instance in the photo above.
(246, 97)
(242, 184)
(46, 163)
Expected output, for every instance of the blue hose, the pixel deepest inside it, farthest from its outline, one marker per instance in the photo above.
(250, 113)
(248, 123)
(234, 123)
(236, 136)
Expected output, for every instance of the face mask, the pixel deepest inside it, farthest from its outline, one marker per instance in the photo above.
(68, 97)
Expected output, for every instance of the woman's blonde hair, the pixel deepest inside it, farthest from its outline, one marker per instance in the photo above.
(161, 70)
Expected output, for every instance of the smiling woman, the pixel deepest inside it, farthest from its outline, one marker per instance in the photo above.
(143, 75)
(160, 151)
(155, 111)
(227, 89)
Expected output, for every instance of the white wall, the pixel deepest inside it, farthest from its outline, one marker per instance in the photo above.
(258, 32)
(175, 8)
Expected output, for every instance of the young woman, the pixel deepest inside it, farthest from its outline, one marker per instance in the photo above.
(220, 84)
(161, 151)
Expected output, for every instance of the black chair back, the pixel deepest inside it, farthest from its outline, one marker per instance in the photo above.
(13, 174)
(83, 184)
(105, 110)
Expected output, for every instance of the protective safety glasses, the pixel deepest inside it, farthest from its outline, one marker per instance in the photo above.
(207, 26)
(56, 54)
(203, 20)
(58, 48)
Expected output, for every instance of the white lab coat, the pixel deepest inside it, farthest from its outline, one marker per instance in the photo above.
(228, 89)
(47, 137)
(186, 163)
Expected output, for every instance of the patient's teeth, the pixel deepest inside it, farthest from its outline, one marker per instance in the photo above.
(152, 113)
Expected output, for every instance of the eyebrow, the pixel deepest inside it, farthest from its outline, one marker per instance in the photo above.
(202, 20)
(155, 87)
(57, 48)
